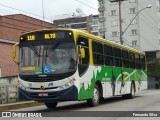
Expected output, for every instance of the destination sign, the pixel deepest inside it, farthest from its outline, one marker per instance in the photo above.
(45, 35)
(49, 36)
(30, 37)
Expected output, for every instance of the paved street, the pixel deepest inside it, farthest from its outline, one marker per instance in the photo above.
(148, 100)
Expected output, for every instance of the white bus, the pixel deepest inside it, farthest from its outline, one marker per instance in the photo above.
(73, 65)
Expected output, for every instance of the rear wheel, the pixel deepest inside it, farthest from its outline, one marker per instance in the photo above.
(96, 97)
(132, 92)
(51, 105)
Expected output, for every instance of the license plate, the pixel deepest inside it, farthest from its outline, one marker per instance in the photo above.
(42, 94)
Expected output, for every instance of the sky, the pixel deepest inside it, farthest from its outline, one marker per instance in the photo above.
(52, 8)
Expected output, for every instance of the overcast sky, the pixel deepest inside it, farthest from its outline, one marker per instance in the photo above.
(51, 7)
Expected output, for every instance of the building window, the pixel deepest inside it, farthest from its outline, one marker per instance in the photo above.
(79, 25)
(113, 12)
(132, 10)
(95, 28)
(114, 34)
(114, 23)
(113, 3)
(132, 1)
(95, 22)
(134, 32)
(134, 43)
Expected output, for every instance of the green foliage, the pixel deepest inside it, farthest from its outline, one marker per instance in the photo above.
(154, 70)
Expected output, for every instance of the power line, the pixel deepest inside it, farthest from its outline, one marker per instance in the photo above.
(95, 9)
(146, 21)
(147, 12)
(14, 28)
(144, 38)
(24, 11)
(116, 18)
(25, 21)
(87, 5)
(18, 25)
(145, 17)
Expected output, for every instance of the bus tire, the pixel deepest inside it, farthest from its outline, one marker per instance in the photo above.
(132, 91)
(51, 105)
(96, 97)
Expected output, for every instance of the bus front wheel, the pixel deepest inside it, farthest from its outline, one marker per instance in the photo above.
(51, 105)
(96, 97)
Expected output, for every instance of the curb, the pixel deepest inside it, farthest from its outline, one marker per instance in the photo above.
(13, 106)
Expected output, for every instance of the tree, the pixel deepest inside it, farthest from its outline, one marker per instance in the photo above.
(154, 70)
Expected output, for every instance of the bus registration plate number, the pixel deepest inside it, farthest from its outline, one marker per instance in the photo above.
(42, 94)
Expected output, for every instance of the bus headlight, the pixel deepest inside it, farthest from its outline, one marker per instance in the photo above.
(67, 85)
(23, 87)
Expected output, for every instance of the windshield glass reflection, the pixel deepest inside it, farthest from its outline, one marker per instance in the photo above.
(47, 59)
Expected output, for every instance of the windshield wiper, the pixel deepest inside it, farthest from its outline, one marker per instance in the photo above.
(36, 51)
(52, 48)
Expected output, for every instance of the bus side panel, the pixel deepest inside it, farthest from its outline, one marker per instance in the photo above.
(110, 76)
(87, 82)
(140, 79)
(107, 75)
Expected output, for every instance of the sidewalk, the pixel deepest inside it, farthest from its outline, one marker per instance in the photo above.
(18, 105)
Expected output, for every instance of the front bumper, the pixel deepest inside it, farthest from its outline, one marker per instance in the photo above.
(64, 95)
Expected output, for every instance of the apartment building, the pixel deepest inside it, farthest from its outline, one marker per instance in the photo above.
(143, 33)
(89, 23)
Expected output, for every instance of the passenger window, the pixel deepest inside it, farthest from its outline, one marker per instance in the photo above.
(117, 57)
(108, 55)
(83, 63)
(83, 42)
(97, 49)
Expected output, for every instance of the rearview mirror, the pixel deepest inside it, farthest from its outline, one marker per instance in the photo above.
(82, 53)
(14, 53)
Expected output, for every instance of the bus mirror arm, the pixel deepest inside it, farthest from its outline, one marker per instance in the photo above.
(82, 53)
(14, 53)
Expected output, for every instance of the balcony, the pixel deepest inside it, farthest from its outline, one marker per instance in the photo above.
(101, 9)
(101, 30)
(102, 19)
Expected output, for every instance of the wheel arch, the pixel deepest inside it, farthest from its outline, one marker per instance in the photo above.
(133, 82)
(99, 84)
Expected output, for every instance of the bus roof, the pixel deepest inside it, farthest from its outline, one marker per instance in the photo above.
(96, 38)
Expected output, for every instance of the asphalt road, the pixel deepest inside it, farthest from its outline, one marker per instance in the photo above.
(147, 100)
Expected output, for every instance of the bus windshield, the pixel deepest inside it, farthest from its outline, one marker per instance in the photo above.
(43, 58)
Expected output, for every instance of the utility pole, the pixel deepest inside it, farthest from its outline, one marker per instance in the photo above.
(120, 22)
(43, 14)
(120, 19)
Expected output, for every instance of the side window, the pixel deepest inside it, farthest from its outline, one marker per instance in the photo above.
(142, 60)
(117, 57)
(131, 60)
(97, 49)
(137, 60)
(108, 55)
(83, 42)
(125, 59)
(84, 63)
